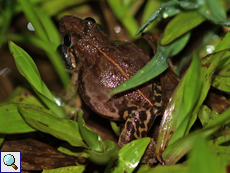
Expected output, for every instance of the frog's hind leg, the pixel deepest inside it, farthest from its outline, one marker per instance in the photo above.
(137, 125)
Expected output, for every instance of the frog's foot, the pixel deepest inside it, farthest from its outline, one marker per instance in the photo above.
(137, 125)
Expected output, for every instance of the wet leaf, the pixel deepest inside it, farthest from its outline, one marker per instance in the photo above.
(179, 25)
(156, 14)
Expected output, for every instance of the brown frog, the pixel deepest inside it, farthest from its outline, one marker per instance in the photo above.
(98, 65)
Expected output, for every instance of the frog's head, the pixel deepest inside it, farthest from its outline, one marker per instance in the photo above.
(80, 37)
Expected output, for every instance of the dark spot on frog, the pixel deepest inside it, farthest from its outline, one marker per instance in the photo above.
(138, 131)
(143, 133)
(129, 125)
(141, 125)
(129, 109)
(158, 99)
(142, 116)
(155, 88)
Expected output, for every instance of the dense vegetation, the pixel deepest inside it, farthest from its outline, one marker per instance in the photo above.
(193, 36)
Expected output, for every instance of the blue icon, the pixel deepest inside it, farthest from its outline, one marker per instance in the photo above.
(9, 160)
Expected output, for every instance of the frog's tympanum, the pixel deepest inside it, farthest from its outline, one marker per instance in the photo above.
(98, 65)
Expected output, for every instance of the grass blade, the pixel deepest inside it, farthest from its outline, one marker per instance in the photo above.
(28, 69)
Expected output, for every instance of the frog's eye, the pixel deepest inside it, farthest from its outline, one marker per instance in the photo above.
(67, 40)
(90, 19)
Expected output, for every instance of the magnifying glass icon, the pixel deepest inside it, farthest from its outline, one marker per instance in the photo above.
(9, 160)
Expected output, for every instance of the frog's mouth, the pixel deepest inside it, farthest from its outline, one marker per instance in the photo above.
(67, 57)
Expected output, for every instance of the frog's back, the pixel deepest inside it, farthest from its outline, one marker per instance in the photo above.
(116, 62)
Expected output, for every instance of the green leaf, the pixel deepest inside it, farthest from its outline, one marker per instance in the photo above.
(100, 152)
(30, 15)
(221, 79)
(209, 64)
(148, 10)
(213, 11)
(216, 9)
(202, 158)
(179, 25)
(11, 122)
(49, 27)
(6, 17)
(28, 69)
(156, 66)
(90, 137)
(50, 49)
(43, 120)
(224, 44)
(109, 152)
(178, 110)
(66, 148)
(189, 4)
(177, 168)
(204, 114)
(55, 7)
(178, 149)
(123, 14)
(181, 111)
(47, 33)
(222, 83)
(127, 162)
(115, 127)
(156, 14)
(78, 169)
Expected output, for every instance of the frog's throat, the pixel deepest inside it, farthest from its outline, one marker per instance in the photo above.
(116, 65)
